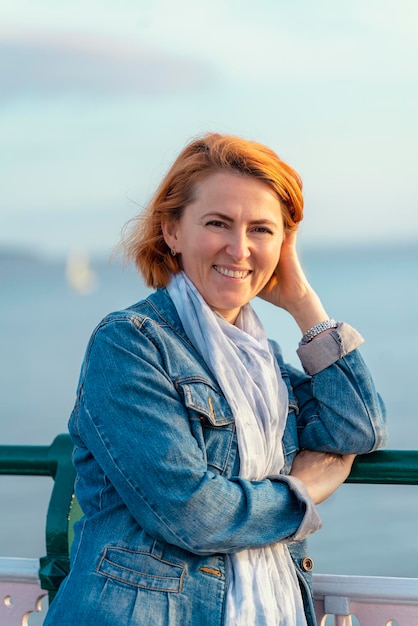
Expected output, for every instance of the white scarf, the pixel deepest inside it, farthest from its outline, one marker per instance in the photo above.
(264, 590)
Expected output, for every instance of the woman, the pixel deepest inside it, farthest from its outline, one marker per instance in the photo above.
(200, 455)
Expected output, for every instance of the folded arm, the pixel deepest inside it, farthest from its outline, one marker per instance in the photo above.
(130, 417)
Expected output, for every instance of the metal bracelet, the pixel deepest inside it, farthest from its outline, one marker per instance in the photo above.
(318, 328)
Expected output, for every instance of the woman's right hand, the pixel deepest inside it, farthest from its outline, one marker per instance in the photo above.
(321, 472)
(290, 290)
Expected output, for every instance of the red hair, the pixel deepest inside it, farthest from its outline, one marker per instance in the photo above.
(145, 244)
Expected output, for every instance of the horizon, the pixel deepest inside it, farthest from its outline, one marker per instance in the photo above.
(29, 253)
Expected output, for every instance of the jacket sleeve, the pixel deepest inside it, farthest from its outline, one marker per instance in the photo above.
(340, 410)
(130, 417)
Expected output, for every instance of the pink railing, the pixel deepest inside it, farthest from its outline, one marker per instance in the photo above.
(20, 591)
(339, 600)
(366, 600)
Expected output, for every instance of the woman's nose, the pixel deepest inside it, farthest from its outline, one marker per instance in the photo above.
(238, 246)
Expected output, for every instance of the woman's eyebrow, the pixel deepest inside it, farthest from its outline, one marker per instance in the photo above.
(227, 218)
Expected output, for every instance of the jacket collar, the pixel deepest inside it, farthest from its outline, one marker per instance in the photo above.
(163, 305)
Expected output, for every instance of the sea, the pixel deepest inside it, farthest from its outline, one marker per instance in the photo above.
(49, 307)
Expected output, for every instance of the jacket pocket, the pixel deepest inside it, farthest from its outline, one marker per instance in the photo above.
(141, 569)
(212, 423)
(200, 397)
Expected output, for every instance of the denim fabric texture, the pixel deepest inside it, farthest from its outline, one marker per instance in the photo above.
(157, 462)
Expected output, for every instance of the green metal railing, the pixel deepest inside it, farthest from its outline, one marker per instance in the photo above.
(391, 467)
(54, 461)
(386, 467)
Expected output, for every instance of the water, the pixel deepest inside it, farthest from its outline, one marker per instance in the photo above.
(44, 328)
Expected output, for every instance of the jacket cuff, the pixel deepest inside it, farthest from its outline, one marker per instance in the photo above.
(311, 521)
(326, 348)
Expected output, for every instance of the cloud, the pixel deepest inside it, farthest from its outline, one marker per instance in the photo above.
(44, 64)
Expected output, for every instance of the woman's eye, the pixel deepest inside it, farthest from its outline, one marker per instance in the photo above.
(262, 230)
(216, 223)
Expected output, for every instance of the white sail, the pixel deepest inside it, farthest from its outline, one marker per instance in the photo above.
(80, 276)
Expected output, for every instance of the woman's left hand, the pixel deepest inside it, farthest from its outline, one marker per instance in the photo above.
(290, 290)
(321, 472)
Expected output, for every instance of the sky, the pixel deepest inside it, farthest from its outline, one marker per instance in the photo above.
(97, 97)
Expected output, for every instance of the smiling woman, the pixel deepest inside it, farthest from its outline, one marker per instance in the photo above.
(201, 456)
(215, 154)
(229, 239)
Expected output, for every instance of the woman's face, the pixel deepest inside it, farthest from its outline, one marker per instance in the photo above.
(229, 238)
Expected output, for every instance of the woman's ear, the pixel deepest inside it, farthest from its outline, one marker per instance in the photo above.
(169, 229)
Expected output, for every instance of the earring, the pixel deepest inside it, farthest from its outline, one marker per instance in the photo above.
(173, 252)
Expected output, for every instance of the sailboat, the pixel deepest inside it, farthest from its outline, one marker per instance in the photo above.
(80, 276)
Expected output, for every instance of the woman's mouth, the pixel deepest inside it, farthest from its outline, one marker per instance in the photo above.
(231, 273)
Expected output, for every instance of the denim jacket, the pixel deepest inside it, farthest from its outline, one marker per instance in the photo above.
(158, 470)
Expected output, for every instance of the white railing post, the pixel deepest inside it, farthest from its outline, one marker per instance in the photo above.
(339, 606)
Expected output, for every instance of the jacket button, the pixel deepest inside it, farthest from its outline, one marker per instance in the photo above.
(307, 564)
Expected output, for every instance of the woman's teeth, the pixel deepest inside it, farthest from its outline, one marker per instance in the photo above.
(231, 273)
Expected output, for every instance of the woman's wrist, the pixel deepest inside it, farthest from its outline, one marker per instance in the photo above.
(308, 312)
(325, 349)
